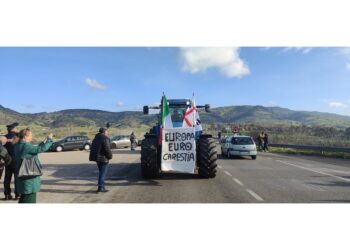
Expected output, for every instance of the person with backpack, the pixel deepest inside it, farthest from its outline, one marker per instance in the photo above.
(101, 154)
(5, 158)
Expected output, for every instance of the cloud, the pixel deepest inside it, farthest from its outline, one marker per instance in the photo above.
(347, 66)
(227, 60)
(337, 105)
(304, 50)
(120, 104)
(95, 84)
(271, 104)
(345, 51)
(28, 106)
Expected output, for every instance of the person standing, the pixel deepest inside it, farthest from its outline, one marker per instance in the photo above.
(5, 158)
(10, 169)
(28, 187)
(260, 142)
(266, 142)
(101, 154)
(132, 141)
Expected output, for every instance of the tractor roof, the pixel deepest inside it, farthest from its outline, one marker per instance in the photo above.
(179, 102)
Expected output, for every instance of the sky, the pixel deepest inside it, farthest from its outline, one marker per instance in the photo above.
(45, 79)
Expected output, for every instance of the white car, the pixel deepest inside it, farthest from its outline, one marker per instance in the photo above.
(238, 145)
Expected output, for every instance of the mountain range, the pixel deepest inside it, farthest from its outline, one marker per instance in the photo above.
(125, 119)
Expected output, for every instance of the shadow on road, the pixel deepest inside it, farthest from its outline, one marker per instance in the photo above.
(332, 184)
(221, 157)
(126, 152)
(333, 201)
(179, 176)
(86, 175)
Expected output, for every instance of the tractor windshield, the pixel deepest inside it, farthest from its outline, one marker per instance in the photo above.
(177, 115)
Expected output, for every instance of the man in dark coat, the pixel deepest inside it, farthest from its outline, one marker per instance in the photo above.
(101, 153)
(10, 169)
(5, 158)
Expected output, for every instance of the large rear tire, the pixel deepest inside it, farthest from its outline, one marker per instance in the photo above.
(149, 158)
(207, 157)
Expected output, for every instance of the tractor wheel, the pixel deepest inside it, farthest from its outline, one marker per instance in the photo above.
(207, 156)
(149, 158)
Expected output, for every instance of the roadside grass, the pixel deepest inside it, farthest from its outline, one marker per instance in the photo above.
(341, 155)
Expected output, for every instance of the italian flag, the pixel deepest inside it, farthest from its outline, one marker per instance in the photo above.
(166, 117)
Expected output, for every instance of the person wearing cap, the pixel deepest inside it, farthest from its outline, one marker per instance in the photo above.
(10, 169)
(5, 158)
(101, 154)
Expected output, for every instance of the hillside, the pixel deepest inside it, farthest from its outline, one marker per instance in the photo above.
(127, 119)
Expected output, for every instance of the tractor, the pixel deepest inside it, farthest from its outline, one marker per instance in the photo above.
(203, 154)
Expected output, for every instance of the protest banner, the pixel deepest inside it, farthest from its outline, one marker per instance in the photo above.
(179, 150)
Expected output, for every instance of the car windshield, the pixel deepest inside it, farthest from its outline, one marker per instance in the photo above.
(242, 141)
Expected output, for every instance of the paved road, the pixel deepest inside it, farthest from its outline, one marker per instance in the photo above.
(273, 178)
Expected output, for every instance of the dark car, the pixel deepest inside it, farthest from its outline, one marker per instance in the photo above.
(71, 143)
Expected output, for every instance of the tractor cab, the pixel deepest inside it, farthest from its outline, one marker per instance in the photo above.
(177, 109)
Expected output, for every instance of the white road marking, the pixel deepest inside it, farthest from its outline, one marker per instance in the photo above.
(227, 173)
(238, 182)
(315, 171)
(257, 197)
(220, 167)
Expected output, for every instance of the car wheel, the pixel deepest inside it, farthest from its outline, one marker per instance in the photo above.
(87, 147)
(253, 157)
(59, 149)
(114, 146)
(228, 154)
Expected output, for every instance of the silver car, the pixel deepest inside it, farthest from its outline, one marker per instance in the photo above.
(238, 145)
(121, 141)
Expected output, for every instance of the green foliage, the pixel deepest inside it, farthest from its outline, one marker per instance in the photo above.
(282, 125)
(310, 152)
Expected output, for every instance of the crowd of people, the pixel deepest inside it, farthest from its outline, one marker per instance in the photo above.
(16, 148)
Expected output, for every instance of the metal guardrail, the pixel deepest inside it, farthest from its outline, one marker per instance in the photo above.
(316, 148)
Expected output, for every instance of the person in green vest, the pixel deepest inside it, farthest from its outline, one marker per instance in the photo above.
(29, 186)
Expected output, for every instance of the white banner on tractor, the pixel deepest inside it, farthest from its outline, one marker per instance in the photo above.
(178, 150)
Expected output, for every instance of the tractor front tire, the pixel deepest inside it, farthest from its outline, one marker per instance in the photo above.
(149, 158)
(207, 157)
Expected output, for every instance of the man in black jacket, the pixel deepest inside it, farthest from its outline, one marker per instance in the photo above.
(10, 169)
(101, 153)
(5, 158)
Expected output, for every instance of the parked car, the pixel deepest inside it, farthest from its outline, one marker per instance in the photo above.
(238, 145)
(121, 141)
(71, 143)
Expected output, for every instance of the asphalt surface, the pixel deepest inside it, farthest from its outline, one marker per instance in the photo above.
(273, 178)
